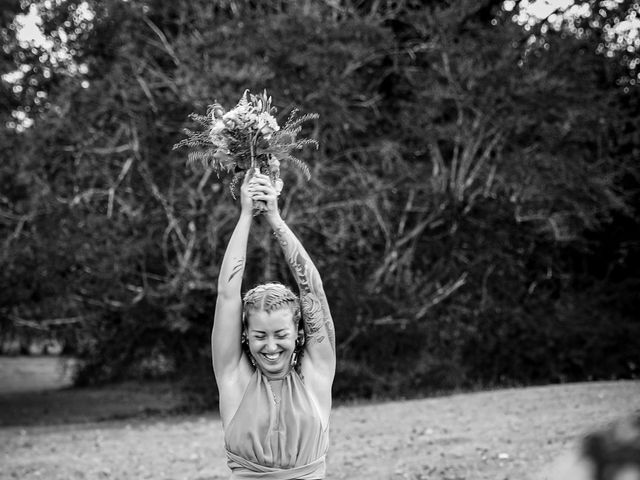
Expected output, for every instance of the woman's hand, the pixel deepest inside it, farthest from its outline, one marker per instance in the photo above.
(246, 203)
(262, 189)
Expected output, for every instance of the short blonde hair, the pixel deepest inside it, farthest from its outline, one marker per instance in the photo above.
(270, 297)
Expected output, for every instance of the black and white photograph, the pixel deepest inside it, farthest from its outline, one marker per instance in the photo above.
(320, 239)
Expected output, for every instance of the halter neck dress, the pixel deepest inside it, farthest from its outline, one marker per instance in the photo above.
(276, 435)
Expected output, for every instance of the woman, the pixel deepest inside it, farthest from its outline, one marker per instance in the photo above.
(273, 356)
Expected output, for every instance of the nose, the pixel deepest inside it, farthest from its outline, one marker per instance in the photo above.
(271, 346)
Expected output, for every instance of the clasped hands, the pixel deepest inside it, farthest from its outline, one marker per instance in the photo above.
(257, 187)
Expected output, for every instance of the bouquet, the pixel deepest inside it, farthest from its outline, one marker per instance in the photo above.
(247, 137)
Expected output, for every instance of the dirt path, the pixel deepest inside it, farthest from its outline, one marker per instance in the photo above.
(34, 373)
(497, 435)
(34, 390)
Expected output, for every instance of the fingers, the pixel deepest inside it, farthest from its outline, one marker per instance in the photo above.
(261, 183)
(264, 189)
(261, 179)
(263, 198)
(262, 193)
(258, 187)
(248, 176)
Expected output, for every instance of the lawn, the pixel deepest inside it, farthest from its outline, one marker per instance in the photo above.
(515, 434)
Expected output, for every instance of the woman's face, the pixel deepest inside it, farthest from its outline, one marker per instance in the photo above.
(272, 340)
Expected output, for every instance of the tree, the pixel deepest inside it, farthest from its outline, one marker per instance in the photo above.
(468, 170)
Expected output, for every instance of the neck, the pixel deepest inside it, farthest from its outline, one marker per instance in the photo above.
(276, 376)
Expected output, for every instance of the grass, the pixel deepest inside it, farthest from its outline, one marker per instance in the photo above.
(127, 432)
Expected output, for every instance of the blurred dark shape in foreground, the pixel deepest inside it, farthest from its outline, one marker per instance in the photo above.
(609, 453)
(615, 451)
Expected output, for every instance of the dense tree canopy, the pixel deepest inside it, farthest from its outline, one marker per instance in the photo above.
(472, 206)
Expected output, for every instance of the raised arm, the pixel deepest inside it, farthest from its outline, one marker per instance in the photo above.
(318, 324)
(226, 347)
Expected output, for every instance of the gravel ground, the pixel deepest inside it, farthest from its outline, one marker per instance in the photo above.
(515, 434)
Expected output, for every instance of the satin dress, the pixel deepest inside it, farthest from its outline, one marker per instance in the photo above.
(277, 432)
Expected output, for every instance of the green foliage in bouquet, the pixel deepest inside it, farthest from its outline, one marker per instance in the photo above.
(247, 136)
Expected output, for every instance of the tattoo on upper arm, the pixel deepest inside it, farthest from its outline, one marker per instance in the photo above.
(316, 316)
(318, 324)
(312, 314)
(237, 268)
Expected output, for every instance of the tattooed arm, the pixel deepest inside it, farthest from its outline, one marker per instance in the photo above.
(318, 324)
(227, 324)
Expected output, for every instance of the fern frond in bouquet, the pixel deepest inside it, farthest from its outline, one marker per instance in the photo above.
(247, 137)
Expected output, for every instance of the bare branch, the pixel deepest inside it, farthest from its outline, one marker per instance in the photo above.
(441, 294)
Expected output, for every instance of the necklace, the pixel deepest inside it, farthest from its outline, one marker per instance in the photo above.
(276, 401)
(278, 386)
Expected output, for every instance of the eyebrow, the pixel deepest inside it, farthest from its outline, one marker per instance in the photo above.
(286, 330)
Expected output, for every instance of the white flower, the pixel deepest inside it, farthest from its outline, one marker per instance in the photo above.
(267, 125)
(217, 112)
(231, 118)
(216, 128)
(235, 115)
(274, 163)
(218, 139)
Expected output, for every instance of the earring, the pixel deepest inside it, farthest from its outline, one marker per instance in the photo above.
(244, 341)
(294, 359)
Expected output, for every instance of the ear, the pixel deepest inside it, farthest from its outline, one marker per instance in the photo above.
(300, 341)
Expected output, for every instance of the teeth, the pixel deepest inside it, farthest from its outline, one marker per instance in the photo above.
(272, 356)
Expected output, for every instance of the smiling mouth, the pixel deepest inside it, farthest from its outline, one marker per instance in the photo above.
(272, 357)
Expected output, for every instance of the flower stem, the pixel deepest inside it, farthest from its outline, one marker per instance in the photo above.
(259, 206)
(253, 155)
